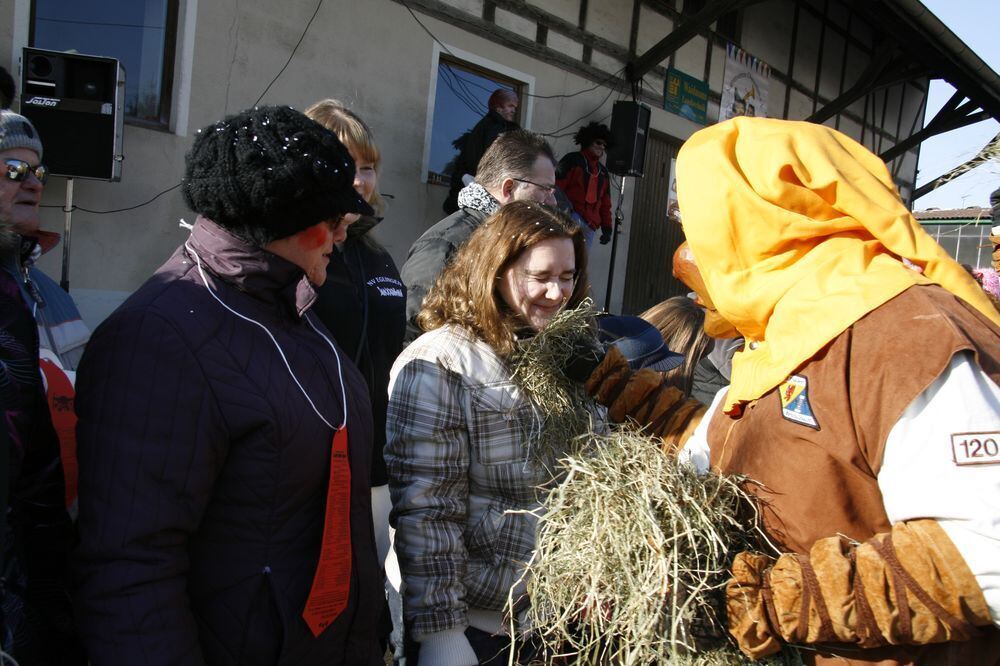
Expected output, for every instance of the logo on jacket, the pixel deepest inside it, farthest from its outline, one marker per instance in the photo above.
(795, 405)
(387, 286)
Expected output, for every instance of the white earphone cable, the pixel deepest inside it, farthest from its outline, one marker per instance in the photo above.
(340, 375)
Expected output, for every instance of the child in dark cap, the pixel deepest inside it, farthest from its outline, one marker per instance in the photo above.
(224, 438)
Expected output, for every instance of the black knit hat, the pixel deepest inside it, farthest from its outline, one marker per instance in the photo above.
(270, 172)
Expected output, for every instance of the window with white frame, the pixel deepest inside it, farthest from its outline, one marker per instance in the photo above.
(460, 95)
(141, 34)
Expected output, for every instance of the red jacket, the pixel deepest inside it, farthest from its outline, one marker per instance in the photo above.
(573, 178)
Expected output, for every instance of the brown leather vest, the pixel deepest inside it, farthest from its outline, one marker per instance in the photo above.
(821, 481)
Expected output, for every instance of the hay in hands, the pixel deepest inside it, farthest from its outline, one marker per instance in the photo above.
(563, 410)
(633, 550)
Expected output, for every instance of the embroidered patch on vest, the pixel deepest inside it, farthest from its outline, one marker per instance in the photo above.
(795, 401)
(975, 448)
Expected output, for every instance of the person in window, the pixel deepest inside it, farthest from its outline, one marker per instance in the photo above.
(519, 166)
(224, 437)
(585, 180)
(500, 117)
(457, 450)
(36, 619)
(865, 404)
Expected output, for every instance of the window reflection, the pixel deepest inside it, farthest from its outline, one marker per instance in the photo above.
(139, 33)
(459, 103)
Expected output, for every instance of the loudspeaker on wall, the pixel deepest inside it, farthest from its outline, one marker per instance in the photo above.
(629, 127)
(76, 103)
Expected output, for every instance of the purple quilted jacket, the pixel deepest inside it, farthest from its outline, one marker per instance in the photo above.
(204, 471)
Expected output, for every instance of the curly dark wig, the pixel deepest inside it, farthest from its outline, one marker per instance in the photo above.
(590, 133)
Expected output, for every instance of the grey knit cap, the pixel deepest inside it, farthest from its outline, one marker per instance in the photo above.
(16, 131)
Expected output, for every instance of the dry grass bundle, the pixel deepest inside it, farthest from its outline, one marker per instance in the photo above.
(632, 549)
(563, 408)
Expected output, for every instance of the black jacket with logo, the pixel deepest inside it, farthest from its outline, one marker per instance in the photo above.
(363, 303)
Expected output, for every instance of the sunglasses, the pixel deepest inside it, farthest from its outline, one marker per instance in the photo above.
(18, 170)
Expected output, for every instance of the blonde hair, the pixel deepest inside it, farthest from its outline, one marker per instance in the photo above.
(682, 325)
(356, 136)
(467, 292)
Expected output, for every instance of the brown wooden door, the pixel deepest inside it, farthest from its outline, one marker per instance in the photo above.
(652, 238)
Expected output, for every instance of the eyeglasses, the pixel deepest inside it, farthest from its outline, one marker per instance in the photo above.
(18, 170)
(548, 189)
(602, 144)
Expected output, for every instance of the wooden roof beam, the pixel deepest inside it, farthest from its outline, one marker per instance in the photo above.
(681, 35)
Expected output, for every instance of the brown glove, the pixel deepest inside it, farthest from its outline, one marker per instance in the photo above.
(907, 587)
(996, 251)
(644, 397)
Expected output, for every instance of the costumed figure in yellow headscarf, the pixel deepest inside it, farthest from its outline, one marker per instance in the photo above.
(865, 402)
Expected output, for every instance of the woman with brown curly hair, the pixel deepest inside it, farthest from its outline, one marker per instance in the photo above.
(462, 480)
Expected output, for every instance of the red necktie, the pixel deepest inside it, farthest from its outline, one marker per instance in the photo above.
(332, 582)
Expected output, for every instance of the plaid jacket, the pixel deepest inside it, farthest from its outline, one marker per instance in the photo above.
(458, 457)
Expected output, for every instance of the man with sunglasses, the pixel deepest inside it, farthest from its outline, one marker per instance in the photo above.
(24, 175)
(586, 182)
(36, 624)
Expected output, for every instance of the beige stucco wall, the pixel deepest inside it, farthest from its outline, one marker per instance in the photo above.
(373, 56)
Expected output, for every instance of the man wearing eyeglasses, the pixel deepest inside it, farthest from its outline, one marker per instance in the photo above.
(518, 166)
(586, 182)
(35, 530)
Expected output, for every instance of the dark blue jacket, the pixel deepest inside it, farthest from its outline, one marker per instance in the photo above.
(204, 471)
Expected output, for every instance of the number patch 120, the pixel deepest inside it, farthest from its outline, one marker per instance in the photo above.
(975, 448)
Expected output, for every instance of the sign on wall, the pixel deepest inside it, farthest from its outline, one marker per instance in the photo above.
(685, 95)
(673, 207)
(744, 85)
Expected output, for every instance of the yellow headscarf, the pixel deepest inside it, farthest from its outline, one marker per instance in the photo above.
(799, 232)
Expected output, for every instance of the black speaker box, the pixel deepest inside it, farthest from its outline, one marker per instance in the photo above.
(75, 102)
(629, 127)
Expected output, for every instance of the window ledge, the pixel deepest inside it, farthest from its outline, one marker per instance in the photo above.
(147, 124)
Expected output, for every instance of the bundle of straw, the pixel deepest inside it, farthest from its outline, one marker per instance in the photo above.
(632, 547)
(563, 410)
(632, 552)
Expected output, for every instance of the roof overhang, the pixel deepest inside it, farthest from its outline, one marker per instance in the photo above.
(922, 35)
(917, 46)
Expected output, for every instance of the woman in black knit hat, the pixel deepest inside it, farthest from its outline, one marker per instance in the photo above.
(224, 438)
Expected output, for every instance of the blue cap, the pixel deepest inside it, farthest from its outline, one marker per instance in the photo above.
(638, 341)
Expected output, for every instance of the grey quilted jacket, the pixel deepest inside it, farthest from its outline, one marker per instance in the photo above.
(457, 452)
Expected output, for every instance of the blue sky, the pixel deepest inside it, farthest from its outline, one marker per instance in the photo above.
(976, 23)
